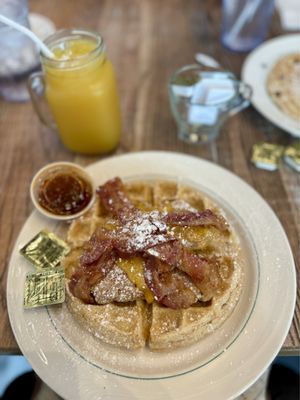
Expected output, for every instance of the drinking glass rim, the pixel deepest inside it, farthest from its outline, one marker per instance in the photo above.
(198, 67)
(68, 33)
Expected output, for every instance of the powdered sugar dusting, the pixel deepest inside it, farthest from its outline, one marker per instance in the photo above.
(143, 230)
(116, 287)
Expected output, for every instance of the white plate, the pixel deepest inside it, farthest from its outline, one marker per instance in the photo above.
(255, 71)
(221, 366)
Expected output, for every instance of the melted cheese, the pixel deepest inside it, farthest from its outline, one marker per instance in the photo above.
(134, 269)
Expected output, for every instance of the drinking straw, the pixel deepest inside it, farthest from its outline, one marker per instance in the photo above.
(43, 48)
(246, 15)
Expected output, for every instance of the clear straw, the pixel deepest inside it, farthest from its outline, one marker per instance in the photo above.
(44, 49)
(246, 15)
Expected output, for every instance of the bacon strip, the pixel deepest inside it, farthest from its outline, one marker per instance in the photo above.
(216, 277)
(140, 233)
(115, 200)
(204, 218)
(176, 255)
(210, 275)
(170, 288)
(100, 243)
(127, 245)
(86, 277)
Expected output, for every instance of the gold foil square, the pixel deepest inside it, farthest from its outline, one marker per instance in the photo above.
(267, 155)
(45, 250)
(292, 156)
(44, 288)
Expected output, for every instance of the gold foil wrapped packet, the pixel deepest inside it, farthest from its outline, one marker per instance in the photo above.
(267, 156)
(45, 250)
(44, 288)
(292, 156)
(47, 285)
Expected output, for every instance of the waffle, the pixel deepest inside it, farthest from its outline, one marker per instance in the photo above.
(141, 323)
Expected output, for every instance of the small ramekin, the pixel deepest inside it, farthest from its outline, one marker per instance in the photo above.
(46, 171)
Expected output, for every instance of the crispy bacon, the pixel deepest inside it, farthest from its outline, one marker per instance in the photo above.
(82, 281)
(100, 243)
(115, 200)
(216, 277)
(140, 233)
(170, 288)
(172, 272)
(137, 235)
(96, 260)
(189, 218)
(87, 276)
(127, 245)
(175, 254)
(99, 252)
(210, 275)
(139, 230)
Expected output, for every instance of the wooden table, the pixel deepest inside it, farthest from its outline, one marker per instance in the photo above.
(146, 40)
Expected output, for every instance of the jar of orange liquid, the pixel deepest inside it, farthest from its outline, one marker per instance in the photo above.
(79, 87)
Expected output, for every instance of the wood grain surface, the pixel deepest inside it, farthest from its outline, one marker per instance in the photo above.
(147, 40)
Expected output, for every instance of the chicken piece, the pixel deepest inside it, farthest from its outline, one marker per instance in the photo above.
(116, 287)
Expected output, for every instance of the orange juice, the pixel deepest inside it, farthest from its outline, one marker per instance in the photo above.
(81, 93)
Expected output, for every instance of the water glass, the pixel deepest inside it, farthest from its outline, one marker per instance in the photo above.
(245, 23)
(202, 98)
(18, 54)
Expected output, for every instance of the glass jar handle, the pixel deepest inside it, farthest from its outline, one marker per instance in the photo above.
(36, 86)
(245, 92)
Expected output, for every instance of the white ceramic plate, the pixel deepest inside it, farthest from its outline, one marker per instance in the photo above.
(220, 366)
(255, 71)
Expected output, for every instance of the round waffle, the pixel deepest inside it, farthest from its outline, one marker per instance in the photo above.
(145, 322)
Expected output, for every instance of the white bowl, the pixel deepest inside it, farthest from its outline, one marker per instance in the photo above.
(39, 177)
